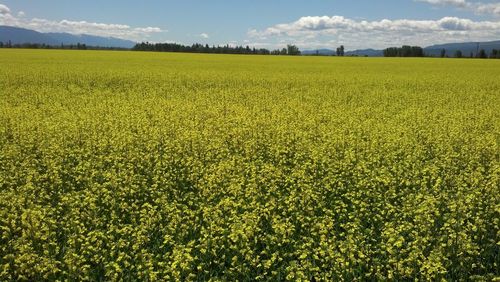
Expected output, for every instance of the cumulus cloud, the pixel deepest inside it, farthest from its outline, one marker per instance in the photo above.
(21, 14)
(477, 7)
(493, 8)
(380, 33)
(204, 35)
(4, 10)
(77, 27)
(336, 24)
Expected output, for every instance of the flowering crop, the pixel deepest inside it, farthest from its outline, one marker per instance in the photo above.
(160, 167)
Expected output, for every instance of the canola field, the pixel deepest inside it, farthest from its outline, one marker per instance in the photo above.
(129, 166)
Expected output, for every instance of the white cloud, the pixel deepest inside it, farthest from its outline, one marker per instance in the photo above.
(149, 29)
(477, 7)
(253, 44)
(77, 27)
(378, 34)
(493, 8)
(458, 3)
(204, 35)
(4, 10)
(335, 24)
(21, 14)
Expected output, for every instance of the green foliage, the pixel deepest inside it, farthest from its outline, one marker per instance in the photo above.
(340, 51)
(292, 50)
(405, 51)
(155, 166)
(482, 54)
(200, 48)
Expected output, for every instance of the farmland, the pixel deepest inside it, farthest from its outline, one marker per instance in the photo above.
(147, 166)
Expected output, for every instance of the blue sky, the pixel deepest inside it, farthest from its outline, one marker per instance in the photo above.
(310, 24)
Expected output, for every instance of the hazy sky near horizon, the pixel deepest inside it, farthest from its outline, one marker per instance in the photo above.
(270, 24)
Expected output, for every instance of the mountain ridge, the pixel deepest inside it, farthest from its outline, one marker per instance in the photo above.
(434, 50)
(17, 35)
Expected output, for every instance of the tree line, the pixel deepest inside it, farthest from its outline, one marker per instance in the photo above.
(416, 51)
(226, 49)
(405, 51)
(482, 54)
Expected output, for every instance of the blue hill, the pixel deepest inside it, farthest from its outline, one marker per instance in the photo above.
(18, 35)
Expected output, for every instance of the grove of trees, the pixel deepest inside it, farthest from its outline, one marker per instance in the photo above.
(340, 51)
(404, 51)
(416, 51)
(226, 49)
(495, 54)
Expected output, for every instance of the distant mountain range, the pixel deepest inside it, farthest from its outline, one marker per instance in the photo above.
(18, 35)
(365, 52)
(434, 50)
(329, 52)
(467, 48)
(322, 52)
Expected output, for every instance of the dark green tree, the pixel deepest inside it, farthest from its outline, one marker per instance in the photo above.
(200, 48)
(340, 51)
(276, 52)
(417, 51)
(494, 54)
(482, 54)
(391, 52)
(458, 54)
(404, 51)
(293, 50)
